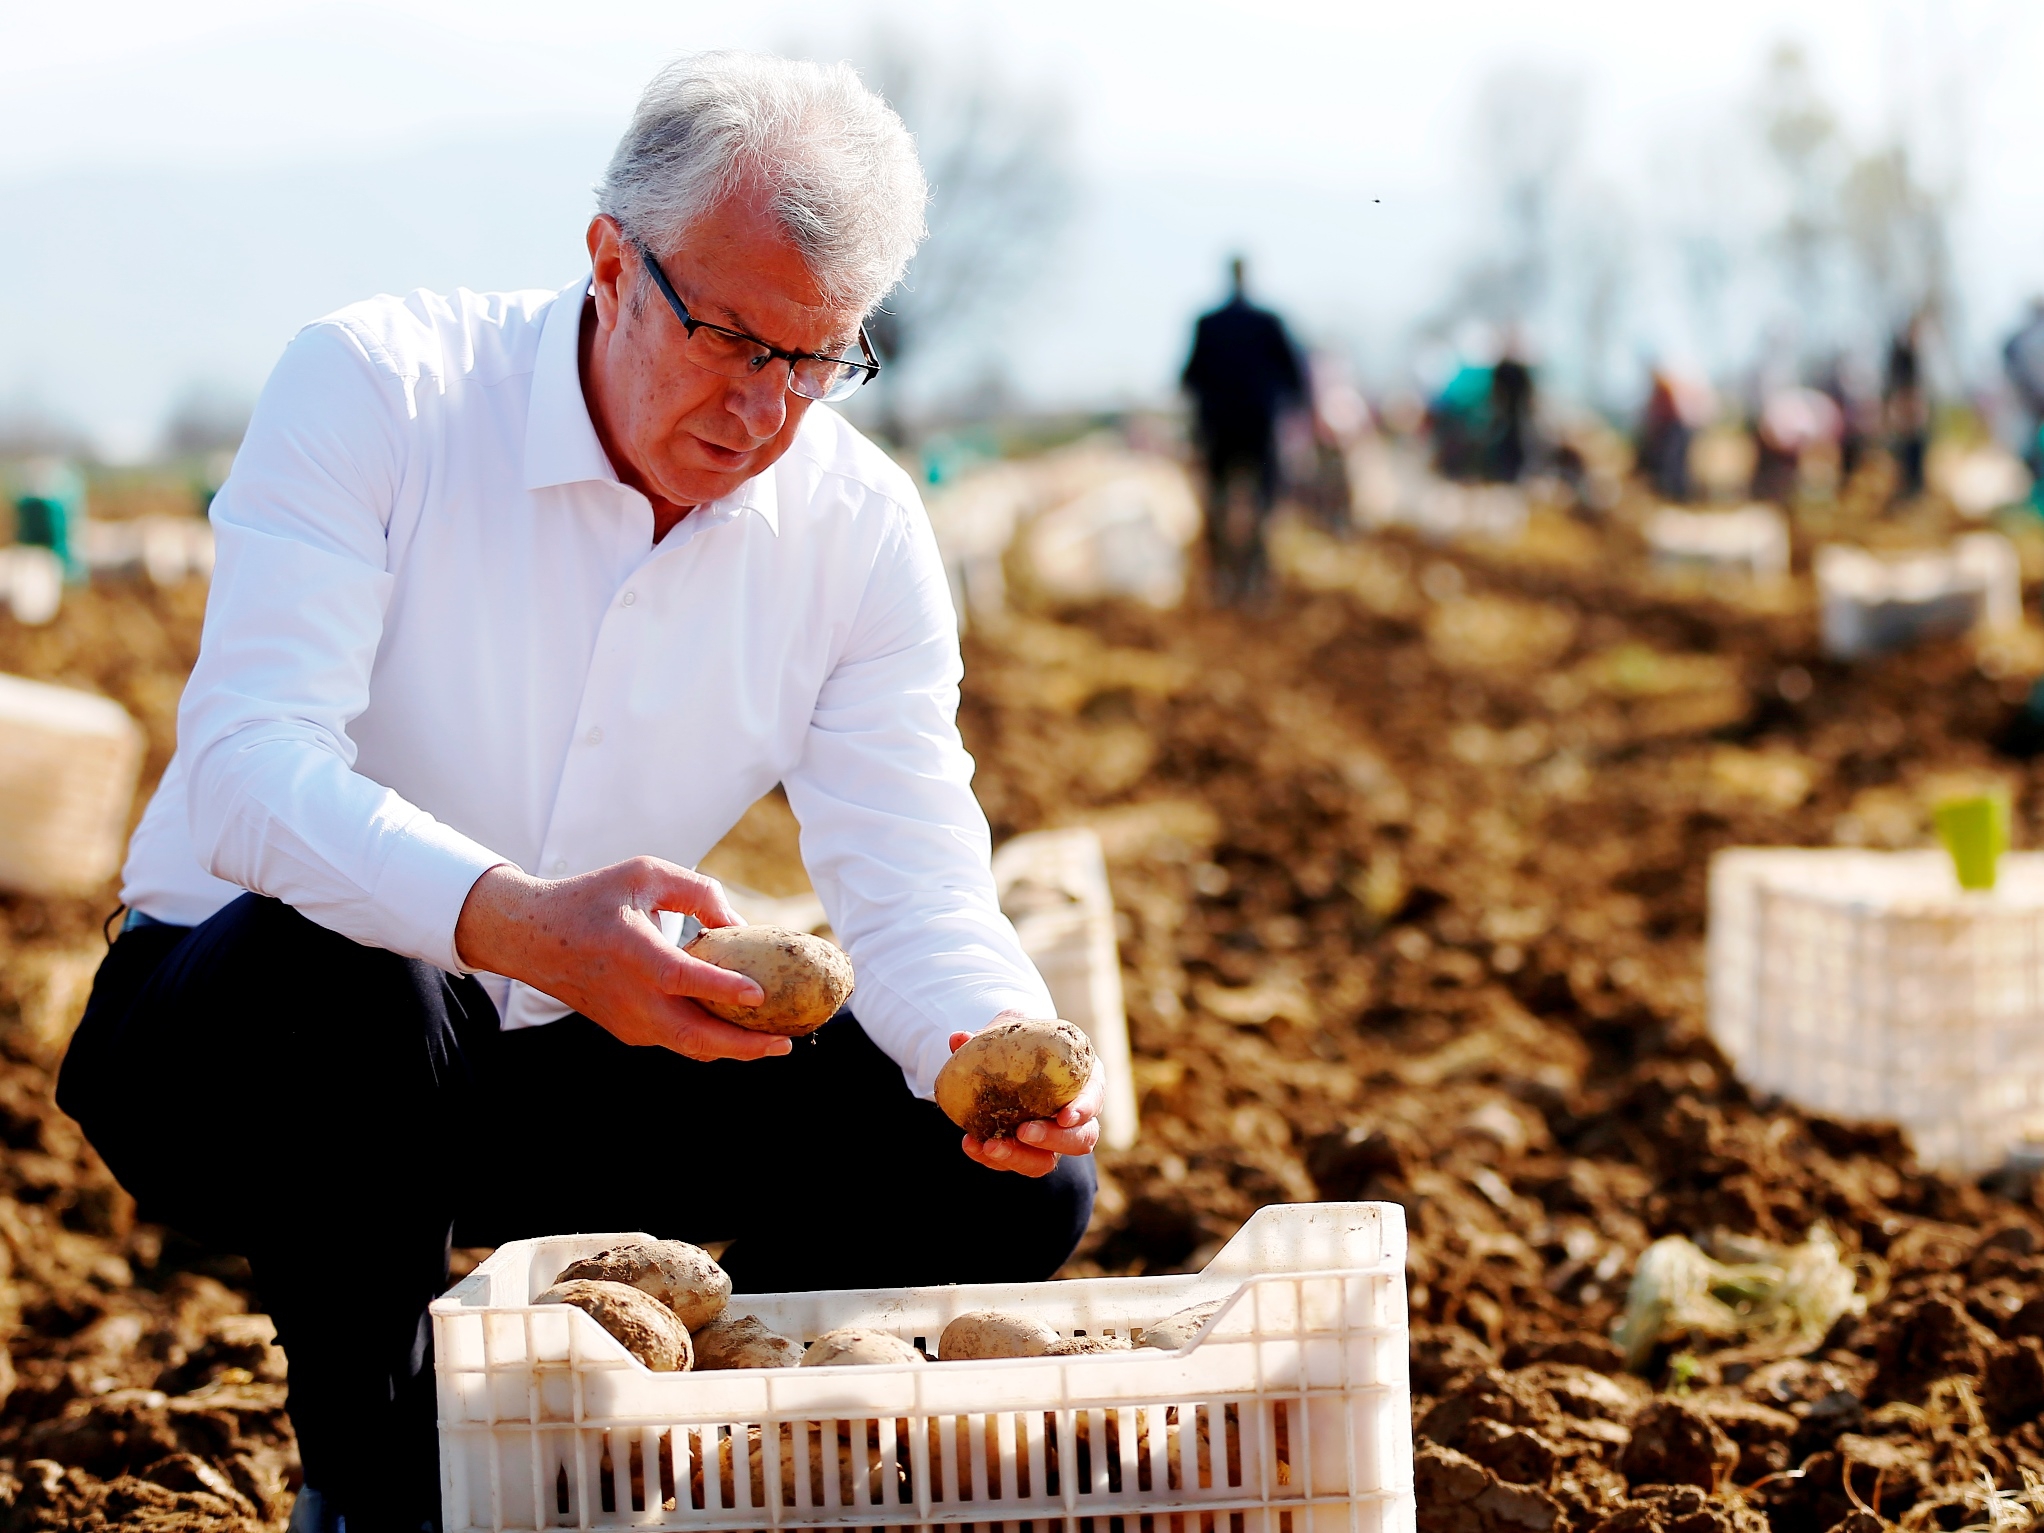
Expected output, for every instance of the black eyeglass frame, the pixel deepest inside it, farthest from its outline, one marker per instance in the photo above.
(867, 370)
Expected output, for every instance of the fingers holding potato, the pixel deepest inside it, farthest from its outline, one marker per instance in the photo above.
(1013, 1072)
(805, 978)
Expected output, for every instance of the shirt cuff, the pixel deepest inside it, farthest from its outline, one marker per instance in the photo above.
(424, 884)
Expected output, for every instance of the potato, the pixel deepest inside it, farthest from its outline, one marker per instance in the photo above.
(1011, 1072)
(1175, 1331)
(990, 1333)
(685, 1278)
(806, 979)
(856, 1345)
(864, 1477)
(646, 1327)
(1086, 1346)
(742, 1341)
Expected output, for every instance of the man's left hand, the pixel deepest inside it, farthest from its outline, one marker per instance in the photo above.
(1037, 1144)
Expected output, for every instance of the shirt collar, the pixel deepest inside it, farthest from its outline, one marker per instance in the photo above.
(561, 445)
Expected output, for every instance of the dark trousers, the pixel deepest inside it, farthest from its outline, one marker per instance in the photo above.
(341, 1116)
(1238, 566)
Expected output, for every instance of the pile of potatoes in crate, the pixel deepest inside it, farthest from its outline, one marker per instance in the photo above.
(668, 1304)
(1410, 874)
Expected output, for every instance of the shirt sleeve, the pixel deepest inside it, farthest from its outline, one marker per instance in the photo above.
(894, 840)
(293, 621)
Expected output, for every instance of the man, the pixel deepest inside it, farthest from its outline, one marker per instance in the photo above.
(521, 600)
(1243, 374)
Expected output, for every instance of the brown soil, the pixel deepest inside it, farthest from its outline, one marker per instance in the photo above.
(1410, 871)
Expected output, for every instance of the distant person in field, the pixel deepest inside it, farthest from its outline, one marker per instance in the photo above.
(1243, 375)
(1906, 398)
(2023, 358)
(522, 599)
(1512, 404)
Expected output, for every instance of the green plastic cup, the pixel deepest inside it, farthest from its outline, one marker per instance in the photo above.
(1975, 830)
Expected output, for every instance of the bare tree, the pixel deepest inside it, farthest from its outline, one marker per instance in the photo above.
(998, 156)
(1530, 128)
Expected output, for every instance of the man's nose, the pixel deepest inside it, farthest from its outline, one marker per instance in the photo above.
(761, 401)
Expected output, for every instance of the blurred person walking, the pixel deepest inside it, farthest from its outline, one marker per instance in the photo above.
(1512, 402)
(1907, 401)
(2023, 358)
(1665, 431)
(1244, 373)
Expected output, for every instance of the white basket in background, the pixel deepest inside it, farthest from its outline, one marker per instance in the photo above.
(32, 583)
(1868, 985)
(1752, 541)
(1872, 605)
(1053, 886)
(166, 549)
(1291, 1408)
(68, 766)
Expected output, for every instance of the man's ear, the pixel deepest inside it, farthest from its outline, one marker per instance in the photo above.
(607, 265)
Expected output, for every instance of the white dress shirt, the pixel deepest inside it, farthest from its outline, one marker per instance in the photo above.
(440, 637)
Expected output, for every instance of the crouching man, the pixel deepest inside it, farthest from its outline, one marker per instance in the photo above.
(522, 598)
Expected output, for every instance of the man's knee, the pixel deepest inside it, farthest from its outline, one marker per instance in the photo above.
(1017, 1229)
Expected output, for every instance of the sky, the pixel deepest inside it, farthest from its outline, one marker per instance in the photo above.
(182, 187)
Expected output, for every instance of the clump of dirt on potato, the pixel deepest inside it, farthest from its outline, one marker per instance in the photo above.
(806, 979)
(1012, 1072)
(1086, 1346)
(743, 1341)
(644, 1326)
(858, 1346)
(683, 1277)
(993, 1333)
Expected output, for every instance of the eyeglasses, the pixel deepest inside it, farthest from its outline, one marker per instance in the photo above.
(734, 354)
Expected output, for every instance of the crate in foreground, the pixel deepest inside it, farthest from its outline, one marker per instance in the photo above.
(1289, 1413)
(1869, 985)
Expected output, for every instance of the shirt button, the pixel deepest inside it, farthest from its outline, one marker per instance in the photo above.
(630, 597)
(596, 736)
(560, 866)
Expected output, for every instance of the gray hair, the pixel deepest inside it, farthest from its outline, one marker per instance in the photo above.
(836, 166)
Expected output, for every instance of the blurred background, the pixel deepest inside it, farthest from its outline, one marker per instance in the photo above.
(1745, 192)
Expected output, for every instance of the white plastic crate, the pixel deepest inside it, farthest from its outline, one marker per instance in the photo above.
(1053, 886)
(1868, 985)
(1752, 541)
(68, 765)
(166, 549)
(1870, 605)
(1289, 1413)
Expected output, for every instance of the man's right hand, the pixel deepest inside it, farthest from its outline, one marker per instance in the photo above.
(591, 942)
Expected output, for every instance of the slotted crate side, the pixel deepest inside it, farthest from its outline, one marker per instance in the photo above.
(1863, 984)
(1211, 1455)
(1295, 1397)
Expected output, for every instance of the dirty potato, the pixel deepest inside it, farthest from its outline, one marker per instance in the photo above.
(855, 1345)
(743, 1341)
(1086, 1346)
(992, 1333)
(806, 979)
(685, 1278)
(1011, 1072)
(646, 1327)
(1175, 1331)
